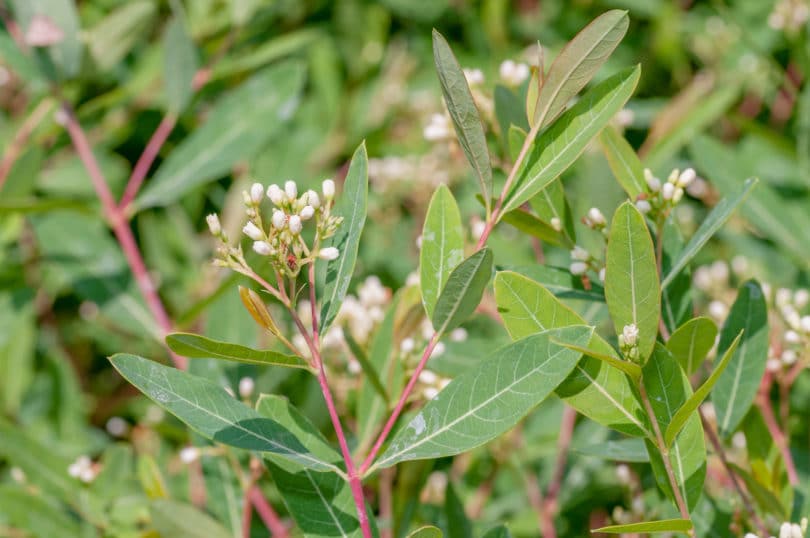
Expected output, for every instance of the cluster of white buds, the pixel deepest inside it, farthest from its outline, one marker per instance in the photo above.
(789, 15)
(440, 128)
(84, 469)
(431, 383)
(628, 342)
(663, 196)
(582, 261)
(796, 335)
(513, 73)
(282, 241)
(787, 530)
(595, 220)
(475, 77)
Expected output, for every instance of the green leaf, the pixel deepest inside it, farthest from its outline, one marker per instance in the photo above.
(691, 342)
(458, 525)
(578, 62)
(151, 478)
(630, 450)
(442, 246)
(737, 387)
(280, 410)
(623, 162)
(114, 36)
(664, 525)
(18, 342)
(498, 532)
(30, 513)
(690, 406)
(511, 114)
(208, 409)
(560, 282)
(603, 394)
(481, 404)
(561, 144)
(195, 346)
(179, 65)
(463, 291)
(239, 125)
(631, 279)
(713, 221)
(466, 118)
(531, 225)
(629, 368)
(67, 53)
(365, 364)
(551, 203)
(668, 389)
(181, 520)
(676, 299)
(352, 206)
(428, 531)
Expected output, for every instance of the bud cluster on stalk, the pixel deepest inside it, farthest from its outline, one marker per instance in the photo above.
(281, 239)
(663, 196)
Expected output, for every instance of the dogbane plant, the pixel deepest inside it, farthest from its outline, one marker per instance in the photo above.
(644, 377)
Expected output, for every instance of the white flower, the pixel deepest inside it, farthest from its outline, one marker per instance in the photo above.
(668, 191)
(307, 212)
(295, 224)
(643, 206)
(312, 199)
(253, 231)
(623, 473)
(329, 253)
(407, 345)
(596, 217)
(578, 268)
(513, 73)
(458, 335)
(430, 393)
(275, 194)
(427, 377)
(719, 271)
(783, 296)
(792, 337)
(801, 298)
(189, 454)
(580, 254)
(630, 334)
(213, 224)
(291, 190)
(602, 274)
(439, 128)
(686, 178)
(652, 182)
(256, 192)
(805, 324)
(750, 535)
(263, 248)
(246, 386)
(556, 224)
(474, 77)
(718, 309)
(437, 350)
(117, 426)
(739, 264)
(17, 474)
(477, 229)
(82, 469)
(328, 187)
(372, 293)
(789, 357)
(677, 196)
(279, 219)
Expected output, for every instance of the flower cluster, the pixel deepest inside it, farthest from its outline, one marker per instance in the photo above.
(789, 15)
(282, 241)
(662, 197)
(582, 261)
(84, 469)
(628, 342)
(788, 530)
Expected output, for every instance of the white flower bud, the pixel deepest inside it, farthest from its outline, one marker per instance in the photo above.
(407, 345)
(652, 182)
(673, 176)
(328, 189)
(783, 296)
(477, 230)
(253, 231)
(87, 475)
(279, 219)
(785, 531)
(189, 454)
(246, 386)
(475, 77)
(801, 298)
(686, 178)
(313, 199)
(213, 224)
(307, 213)
(717, 309)
(263, 248)
(291, 190)
(792, 337)
(117, 426)
(580, 254)
(805, 324)
(295, 224)
(578, 268)
(458, 335)
(275, 194)
(789, 356)
(427, 377)
(668, 191)
(513, 73)
(329, 253)
(630, 334)
(438, 350)
(643, 206)
(602, 274)
(430, 393)
(256, 192)
(623, 473)
(596, 217)
(677, 196)
(556, 224)
(17, 474)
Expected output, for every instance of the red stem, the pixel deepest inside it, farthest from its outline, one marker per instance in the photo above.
(764, 404)
(146, 159)
(271, 520)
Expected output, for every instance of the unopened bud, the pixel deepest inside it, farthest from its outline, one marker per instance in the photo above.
(596, 217)
(246, 386)
(652, 182)
(307, 213)
(668, 191)
(256, 192)
(253, 231)
(189, 454)
(686, 178)
(329, 253)
(328, 189)
(643, 206)
(580, 254)
(295, 224)
(313, 199)
(263, 248)
(291, 190)
(578, 268)
(279, 219)
(275, 194)
(630, 334)
(556, 224)
(213, 224)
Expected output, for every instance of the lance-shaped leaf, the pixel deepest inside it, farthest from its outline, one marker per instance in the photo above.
(258, 310)
(578, 62)
(466, 120)
(369, 371)
(676, 299)
(664, 525)
(690, 406)
(180, 64)
(321, 503)
(498, 532)
(551, 203)
(596, 390)
(352, 206)
(630, 368)
(428, 531)
(195, 346)
(737, 387)
(181, 520)
(623, 162)
(632, 450)
(668, 389)
(560, 282)
(631, 278)
(463, 291)
(561, 144)
(713, 221)
(207, 408)
(481, 404)
(442, 246)
(458, 524)
(691, 342)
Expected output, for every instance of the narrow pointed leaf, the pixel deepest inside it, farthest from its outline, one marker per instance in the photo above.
(442, 246)
(181, 520)
(458, 524)
(352, 206)
(481, 404)
(676, 299)
(578, 62)
(737, 387)
(664, 525)
(428, 531)
(629, 368)
(463, 291)
(365, 364)
(623, 162)
(691, 342)
(560, 282)
(630, 450)
(195, 346)
(631, 279)
(691, 405)
(601, 393)
(464, 113)
(180, 63)
(668, 389)
(551, 203)
(207, 408)
(498, 532)
(713, 221)
(258, 310)
(561, 144)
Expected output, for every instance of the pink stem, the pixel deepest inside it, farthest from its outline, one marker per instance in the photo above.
(271, 520)
(764, 404)
(121, 229)
(146, 159)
